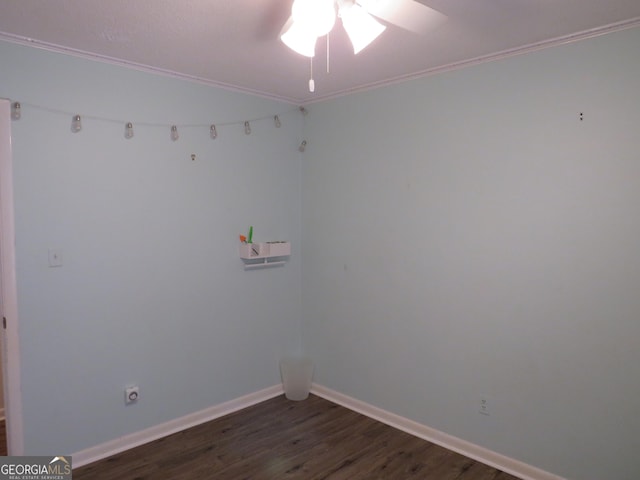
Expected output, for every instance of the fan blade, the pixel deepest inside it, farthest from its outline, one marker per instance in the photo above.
(408, 14)
(275, 15)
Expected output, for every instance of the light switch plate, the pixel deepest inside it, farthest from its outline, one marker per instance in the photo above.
(484, 405)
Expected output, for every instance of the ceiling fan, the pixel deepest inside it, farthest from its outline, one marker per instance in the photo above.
(311, 19)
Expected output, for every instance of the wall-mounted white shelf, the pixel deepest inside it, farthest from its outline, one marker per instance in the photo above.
(265, 254)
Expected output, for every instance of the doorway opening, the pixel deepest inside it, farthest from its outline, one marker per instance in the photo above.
(8, 293)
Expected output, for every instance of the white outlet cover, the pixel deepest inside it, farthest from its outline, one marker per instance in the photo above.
(131, 394)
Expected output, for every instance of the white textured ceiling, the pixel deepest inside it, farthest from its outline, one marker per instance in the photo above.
(234, 43)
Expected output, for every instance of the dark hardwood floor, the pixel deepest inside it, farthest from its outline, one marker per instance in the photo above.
(281, 439)
(3, 437)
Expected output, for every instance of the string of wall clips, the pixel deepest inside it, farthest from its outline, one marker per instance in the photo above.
(174, 134)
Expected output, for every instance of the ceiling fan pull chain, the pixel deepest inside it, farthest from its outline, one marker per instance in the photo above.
(327, 53)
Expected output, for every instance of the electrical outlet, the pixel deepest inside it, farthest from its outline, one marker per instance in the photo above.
(131, 394)
(484, 405)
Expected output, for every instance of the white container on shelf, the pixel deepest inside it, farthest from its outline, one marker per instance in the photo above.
(262, 249)
(246, 250)
(264, 254)
(279, 249)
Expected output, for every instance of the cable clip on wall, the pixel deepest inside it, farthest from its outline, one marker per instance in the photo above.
(263, 254)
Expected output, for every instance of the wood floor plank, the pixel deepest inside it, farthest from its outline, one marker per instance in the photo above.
(3, 437)
(477, 471)
(284, 440)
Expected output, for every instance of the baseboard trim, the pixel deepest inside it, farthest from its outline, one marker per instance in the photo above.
(126, 442)
(506, 464)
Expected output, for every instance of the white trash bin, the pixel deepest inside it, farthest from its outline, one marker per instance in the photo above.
(296, 373)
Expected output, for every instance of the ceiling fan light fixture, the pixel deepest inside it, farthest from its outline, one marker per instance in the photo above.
(361, 27)
(318, 16)
(299, 38)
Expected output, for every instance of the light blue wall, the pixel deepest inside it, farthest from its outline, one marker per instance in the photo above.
(466, 234)
(152, 289)
(462, 235)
